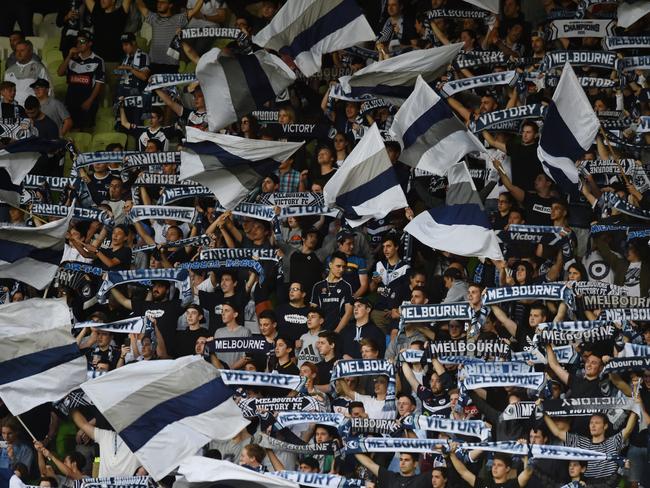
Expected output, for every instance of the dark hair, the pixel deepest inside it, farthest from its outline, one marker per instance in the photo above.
(367, 341)
(316, 310)
(79, 459)
(453, 273)
(288, 343)
(392, 238)
(581, 269)
(158, 111)
(267, 314)
(256, 451)
(156, 142)
(406, 395)
(310, 461)
(213, 454)
(31, 103)
(330, 336)
(443, 471)
(531, 124)
(505, 458)
(542, 307)
(422, 290)
(414, 455)
(355, 405)
(113, 146)
(52, 481)
(339, 255)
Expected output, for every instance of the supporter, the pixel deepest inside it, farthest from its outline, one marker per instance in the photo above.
(293, 315)
(108, 19)
(334, 295)
(407, 470)
(364, 328)
(306, 346)
(135, 67)
(25, 71)
(356, 270)
(15, 450)
(11, 109)
(15, 38)
(52, 107)
(231, 329)
(186, 339)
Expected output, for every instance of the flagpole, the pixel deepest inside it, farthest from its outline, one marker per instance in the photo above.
(25, 427)
(616, 158)
(27, 213)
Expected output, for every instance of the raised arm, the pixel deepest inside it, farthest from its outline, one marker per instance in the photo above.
(555, 430)
(82, 423)
(121, 299)
(507, 322)
(410, 377)
(372, 466)
(142, 8)
(460, 468)
(516, 192)
(195, 10)
(526, 474)
(493, 142)
(176, 107)
(555, 365)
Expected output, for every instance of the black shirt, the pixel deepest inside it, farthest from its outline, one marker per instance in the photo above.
(171, 310)
(212, 301)
(324, 374)
(538, 209)
(525, 164)
(305, 269)
(123, 254)
(351, 338)
(332, 298)
(292, 321)
(390, 479)
(108, 29)
(490, 483)
(186, 340)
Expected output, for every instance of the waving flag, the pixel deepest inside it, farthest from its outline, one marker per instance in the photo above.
(229, 166)
(32, 254)
(393, 79)
(461, 226)
(629, 11)
(166, 410)
(307, 29)
(431, 136)
(234, 86)
(366, 185)
(570, 127)
(16, 160)
(199, 471)
(39, 359)
(491, 5)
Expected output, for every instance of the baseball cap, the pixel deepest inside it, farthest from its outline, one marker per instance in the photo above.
(343, 234)
(128, 37)
(364, 301)
(40, 83)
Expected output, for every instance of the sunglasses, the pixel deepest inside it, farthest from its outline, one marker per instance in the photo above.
(82, 41)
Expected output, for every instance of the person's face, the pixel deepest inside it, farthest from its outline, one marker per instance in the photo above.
(106, 3)
(228, 314)
(418, 298)
(100, 168)
(357, 412)
(557, 212)
(538, 45)
(321, 435)
(23, 53)
(473, 295)
(406, 464)
(8, 435)
(199, 345)
(393, 7)
(284, 117)
(325, 156)
(435, 384)
(83, 45)
(32, 113)
(347, 246)
(504, 204)
(311, 240)
(193, 316)
(267, 327)
(593, 364)
(227, 284)
(527, 135)
(536, 437)
(314, 321)
(541, 183)
(147, 350)
(360, 311)
(499, 469)
(389, 249)
(8, 94)
(115, 189)
(339, 142)
(103, 338)
(13, 40)
(381, 385)
(281, 349)
(244, 458)
(158, 291)
(257, 231)
(417, 279)
(514, 34)
(368, 352)
(404, 407)
(323, 346)
(155, 120)
(242, 25)
(163, 6)
(128, 47)
(437, 479)
(40, 92)
(466, 39)
(455, 329)
(296, 294)
(488, 104)
(599, 105)
(535, 317)
(118, 237)
(573, 274)
(268, 185)
(515, 218)
(306, 372)
(575, 469)
(646, 336)
(337, 266)
(510, 8)
(198, 99)
(597, 426)
(173, 234)
(150, 147)
(351, 110)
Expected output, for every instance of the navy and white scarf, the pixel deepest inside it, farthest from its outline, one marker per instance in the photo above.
(539, 451)
(474, 59)
(615, 43)
(202, 240)
(354, 445)
(89, 158)
(252, 210)
(142, 160)
(442, 312)
(374, 426)
(130, 325)
(590, 333)
(479, 349)
(159, 179)
(318, 480)
(174, 194)
(564, 355)
(610, 200)
(346, 368)
(633, 63)
(595, 288)
(78, 213)
(585, 82)
(535, 234)
(594, 59)
(288, 419)
(145, 276)
(488, 121)
(262, 254)
(161, 212)
(631, 350)
(164, 80)
(615, 301)
(319, 448)
(325, 74)
(289, 199)
(116, 482)
(252, 406)
(304, 210)
(580, 28)
(75, 399)
(622, 365)
(491, 79)
(545, 291)
(620, 314)
(227, 263)
(531, 381)
(495, 367)
(254, 378)
(456, 13)
(55, 183)
(472, 428)
(256, 344)
(83, 268)
(518, 411)
(578, 407)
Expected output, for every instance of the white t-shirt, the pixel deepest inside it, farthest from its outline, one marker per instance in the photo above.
(116, 459)
(373, 407)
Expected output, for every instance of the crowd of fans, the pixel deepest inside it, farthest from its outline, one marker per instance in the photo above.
(336, 292)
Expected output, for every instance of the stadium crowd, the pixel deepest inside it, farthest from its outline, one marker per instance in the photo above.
(318, 291)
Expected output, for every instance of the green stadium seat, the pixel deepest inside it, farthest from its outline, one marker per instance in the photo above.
(102, 139)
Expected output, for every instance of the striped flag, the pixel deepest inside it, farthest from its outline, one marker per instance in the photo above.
(431, 136)
(570, 127)
(234, 86)
(17, 160)
(201, 471)
(393, 79)
(40, 360)
(461, 226)
(32, 254)
(307, 29)
(229, 166)
(491, 5)
(629, 11)
(166, 410)
(366, 185)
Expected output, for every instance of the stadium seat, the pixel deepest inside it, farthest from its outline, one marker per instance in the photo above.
(82, 140)
(145, 31)
(37, 20)
(5, 48)
(142, 43)
(38, 42)
(102, 139)
(52, 55)
(60, 87)
(104, 123)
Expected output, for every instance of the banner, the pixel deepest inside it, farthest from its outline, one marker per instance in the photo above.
(531, 381)
(83, 268)
(611, 168)
(393, 444)
(160, 212)
(559, 29)
(318, 480)
(131, 325)
(610, 200)
(620, 314)
(262, 254)
(631, 350)
(345, 368)
(303, 210)
(252, 210)
(370, 105)
(252, 406)
(616, 43)
(539, 451)
(564, 355)
(256, 344)
(593, 302)
(534, 234)
(456, 13)
(622, 365)
(450, 88)
(474, 59)
(288, 419)
(253, 378)
(442, 312)
(79, 213)
(139, 160)
(210, 32)
(578, 407)
(478, 349)
(289, 199)
(585, 82)
(115, 278)
(546, 291)
(163, 80)
(573, 326)
(266, 116)
(170, 195)
(471, 428)
(326, 74)
(301, 132)
(227, 263)
(495, 367)
(491, 120)
(88, 158)
(593, 59)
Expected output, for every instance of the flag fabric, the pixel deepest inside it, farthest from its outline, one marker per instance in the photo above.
(201, 470)
(629, 11)
(393, 79)
(17, 160)
(40, 360)
(307, 29)
(570, 127)
(154, 404)
(431, 136)
(234, 86)
(32, 254)
(461, 226)
(366, 185)
(230, 166)
(491, 5)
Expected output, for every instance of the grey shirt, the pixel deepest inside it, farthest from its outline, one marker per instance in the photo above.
(222, 333)
(55, 110)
